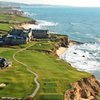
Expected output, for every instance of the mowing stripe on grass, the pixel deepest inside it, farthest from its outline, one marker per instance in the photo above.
(29, 70)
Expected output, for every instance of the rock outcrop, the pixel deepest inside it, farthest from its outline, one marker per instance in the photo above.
(73, 42)
(63, 42)
(85, 89)
(24, 23)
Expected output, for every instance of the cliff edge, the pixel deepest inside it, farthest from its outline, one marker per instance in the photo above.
(85, 89)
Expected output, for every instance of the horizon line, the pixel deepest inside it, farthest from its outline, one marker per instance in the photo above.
(51, 4)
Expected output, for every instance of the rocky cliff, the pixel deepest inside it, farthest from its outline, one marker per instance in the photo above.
(63, 42)
(27, 22)
(85, 89)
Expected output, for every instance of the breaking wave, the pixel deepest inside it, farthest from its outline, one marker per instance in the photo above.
(46, 23)
(84, 57)
(43, 24)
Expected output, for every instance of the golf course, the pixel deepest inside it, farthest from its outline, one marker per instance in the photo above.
(35, 72)
(54, 75)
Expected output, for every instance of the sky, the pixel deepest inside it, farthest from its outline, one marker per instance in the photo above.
(80, 3)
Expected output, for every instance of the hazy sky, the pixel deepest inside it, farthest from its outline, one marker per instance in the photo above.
(88, 3)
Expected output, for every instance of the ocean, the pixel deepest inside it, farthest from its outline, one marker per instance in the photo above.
(80, 24)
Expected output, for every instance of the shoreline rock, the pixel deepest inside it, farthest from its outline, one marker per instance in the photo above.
(84, 89)
(64, 44)
(73, 42)
(25, 25)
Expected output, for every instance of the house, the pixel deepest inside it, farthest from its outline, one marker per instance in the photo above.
(18, 36)
(1, 40)
(14, 40)
(40, 34)
(23, 36)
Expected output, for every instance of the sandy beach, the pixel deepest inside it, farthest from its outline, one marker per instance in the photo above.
(27, 26)
(61, 50)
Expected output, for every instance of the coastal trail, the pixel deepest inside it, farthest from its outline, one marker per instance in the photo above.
(29, 70)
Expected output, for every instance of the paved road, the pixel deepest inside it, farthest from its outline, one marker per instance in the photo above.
(29, 70)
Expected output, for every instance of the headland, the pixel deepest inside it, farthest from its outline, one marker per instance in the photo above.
(54, 75)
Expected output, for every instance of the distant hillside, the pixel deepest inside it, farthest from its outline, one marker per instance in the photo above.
(10, 4)
(13, 4)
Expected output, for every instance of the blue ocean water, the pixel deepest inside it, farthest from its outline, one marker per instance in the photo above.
(81, 24)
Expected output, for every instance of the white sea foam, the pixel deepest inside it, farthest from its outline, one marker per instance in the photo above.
(72, 23)
(76, 33)
(43, 23)
(97, 39)
(84, 57)
(33, 14)
(36, 27)
(27, 13)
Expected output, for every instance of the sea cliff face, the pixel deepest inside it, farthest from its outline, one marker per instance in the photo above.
(63, 42)
(85, 89)
(27, 22)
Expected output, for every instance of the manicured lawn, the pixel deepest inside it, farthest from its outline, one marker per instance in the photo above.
(42, 45)
(13, 18)
(19, 81)
(5, 27)
(55, 75)
(8, 21)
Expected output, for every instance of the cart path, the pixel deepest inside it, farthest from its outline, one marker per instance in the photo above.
(29, 70)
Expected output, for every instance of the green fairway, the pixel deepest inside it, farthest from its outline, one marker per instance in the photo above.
(13, 18)
(55, 75)
(43, 45)
(5, 27)
(19, 81)
(8, 20)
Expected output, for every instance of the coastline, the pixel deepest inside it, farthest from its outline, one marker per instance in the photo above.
(85, 82)
(57, 72)
(61, 50)
(27, 26)
(76, 58)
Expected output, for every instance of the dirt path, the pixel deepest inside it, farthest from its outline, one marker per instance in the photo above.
(29, 70)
